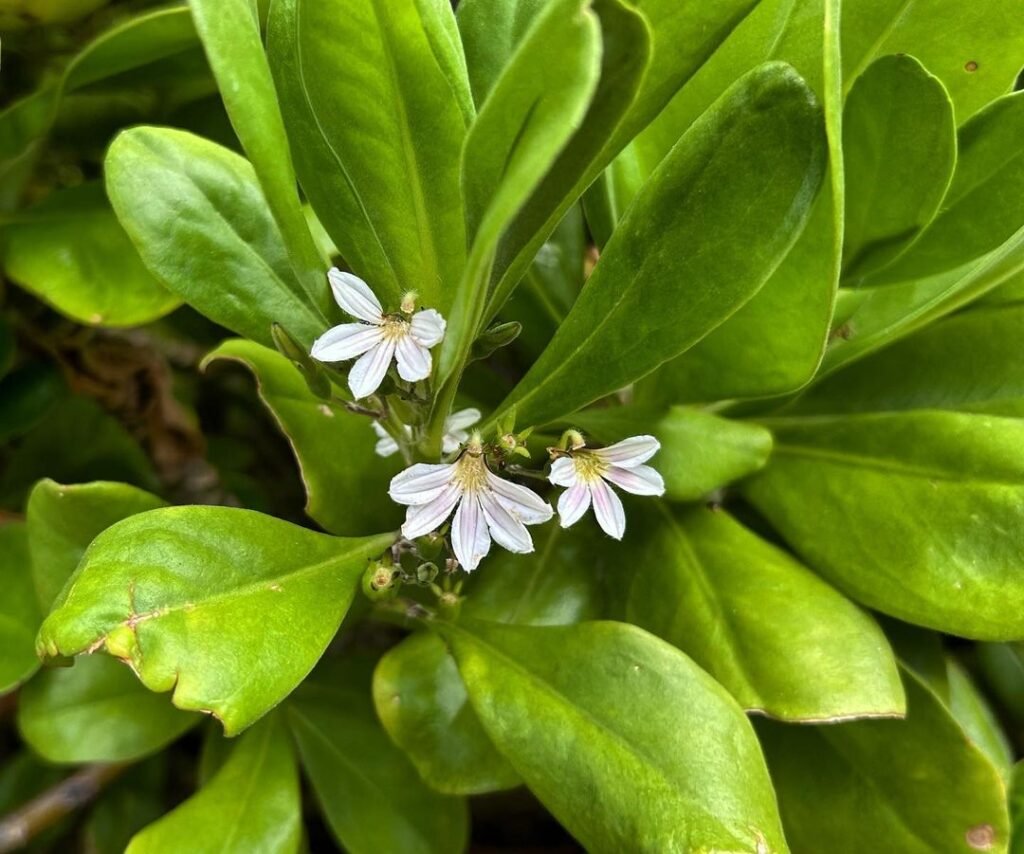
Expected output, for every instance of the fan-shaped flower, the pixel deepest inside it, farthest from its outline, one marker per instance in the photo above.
(486, 506)
(586, 471)
(455, 433)
(377, 338)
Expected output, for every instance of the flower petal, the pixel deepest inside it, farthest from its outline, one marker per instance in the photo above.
(355, 296)
(563, 472)
(450, 441)
(470, 540)
(573, 503)
(413, 359)
(345, 342)
(368, 372)
(427, 327)
(608, 509)
(642, 480)
(507, 531)
(462, 419)
(629, 453)
(385, 447)
(525, 504)
(424, 518)
(421, 483)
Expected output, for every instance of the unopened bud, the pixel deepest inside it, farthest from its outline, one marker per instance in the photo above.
(426, 573)
(498, 336)
(380, 581)
(430, 546)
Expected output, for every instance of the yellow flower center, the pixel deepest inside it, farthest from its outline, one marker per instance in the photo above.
(470, 472)
(394, 328)
(588, 466)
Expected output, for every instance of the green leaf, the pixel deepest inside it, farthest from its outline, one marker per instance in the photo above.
(76, 442)
(423, 705)
(63, 520)
(71, 252)
(964, 362)
(899, 150)
(915, 786)
(1002, 665)
(198, 218)
(376, 102)
(19, 613)
(632, 315)
(139, 41)
(369, 792)
(230, 32)
(133, 801)
(914, 514)
(1017, 809)
(96, 711)
(417, 688)
(647, 58)
(985, 203)
(780, 639)
(346, 482)
(250, 806)
(611, 697)
(26, 395)
(490, 31)
(535, 106)
(227, 607)
(700, 452)
(973, 713)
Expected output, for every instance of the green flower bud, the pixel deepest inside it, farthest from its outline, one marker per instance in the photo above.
(380, 581)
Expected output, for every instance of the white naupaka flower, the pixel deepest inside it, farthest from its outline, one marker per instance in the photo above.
(377, 338)
(455, 433)
(585, 473)
(486, 507)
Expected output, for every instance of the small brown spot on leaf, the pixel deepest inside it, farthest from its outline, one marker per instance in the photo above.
(981, 837)
(971, 66)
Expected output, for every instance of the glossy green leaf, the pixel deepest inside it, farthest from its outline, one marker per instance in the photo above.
(874, 318)
(635, 311)
(964, 362)
(646, 59)
(96, 711)
(916, 786)
(230, 32)
(1017, 809)
(423, 705)
(63, 520)
(19, 612)
(985, 203)
(700, 452)
(611, 697)
(774, 343)
(376, 102)
(197, 216)
(535, 106)
(899, 150)
(972, 711)
(251, 805)
(369, 792)
(490, 31)
(914, 514)
(71, 252)
(1002, 666)
(229, 608)
(780, 639)
(417, 688)
(346, 482)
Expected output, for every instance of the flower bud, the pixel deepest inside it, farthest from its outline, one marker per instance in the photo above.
(426, 573)
(408, 305)
(498, 336)
(380, 581)
(430, 546)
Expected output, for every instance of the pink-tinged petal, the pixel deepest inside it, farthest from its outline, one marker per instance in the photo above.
(413, 360)
(462, 419)
(428, 517)
(506, 530)
(470, 540)
(355, 296)
(345, 342)
(368, 372)
(525, 504)
(629, 453)
(421, 483)
(563, 472)
(642, 480)
(608, 509)
(427, 327)
(573, 503)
